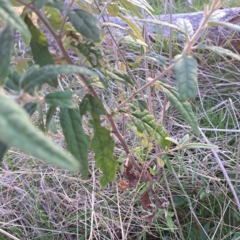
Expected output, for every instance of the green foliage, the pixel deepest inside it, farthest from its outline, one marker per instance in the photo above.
(186, 27)
(89, 51)
(102, 142)
(36, 76)
(77, 142)
(185, 68)
(8, 14)
(120, 77)
(6, 42)
(49, 117)
(48, 88)
(54, 17)
(147, 123)
(39, 45)
(85, 24)
(183, 107)
(16, 130)
(61, 99)
(220, 51)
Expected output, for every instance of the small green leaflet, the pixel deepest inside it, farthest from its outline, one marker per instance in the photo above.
(183, 107)
(17, 131)
(39, 46)
(147, 123)
(185, 68)
(102, 142)
(60, 99)
(75, 137)
(85, 23)
(6, 48)
(8, 15)
(45, 74)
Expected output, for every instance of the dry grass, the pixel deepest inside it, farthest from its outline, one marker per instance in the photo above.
(41, 202)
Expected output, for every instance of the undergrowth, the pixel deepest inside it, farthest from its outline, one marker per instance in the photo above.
(38, 201)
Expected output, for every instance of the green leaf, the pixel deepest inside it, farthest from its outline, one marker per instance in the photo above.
(172, 140)
(13, 80)
(158, 22)
(168, 163)
(204, 232)
(186, 27)
(185, 68)
(183, 107)
(120, 77)
(85, 23)
(21, 67)
(147, 123)
(170, 224)
(159, 59)
(102, 142)
(61, 99)
(58, 4)
(141, 4)
(6, 48)
(3, 150)
(30, 108)
(51, 3)
(132, 7)
(232, 26)
(113, 9)
(185, 140)
(75, 137)
(8, 15)
(17, 131)
(39, 46)
(40, 3)
(45, 74)
(199, 145)
(90, 52)
(133, 26)
(54, 17)
(220, 51)
(49, 117)
(142, 105)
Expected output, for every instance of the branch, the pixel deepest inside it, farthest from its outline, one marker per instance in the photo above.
(58, 40)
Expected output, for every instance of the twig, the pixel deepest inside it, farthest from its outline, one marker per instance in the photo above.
(8, 234)
(58, 40)
(188, 47)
